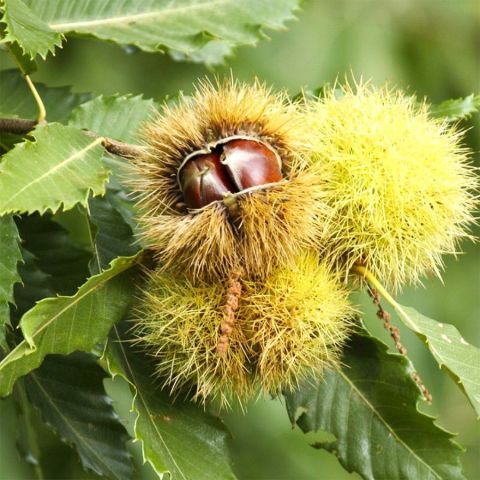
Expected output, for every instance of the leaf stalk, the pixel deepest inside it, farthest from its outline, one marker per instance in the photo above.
(42, 112)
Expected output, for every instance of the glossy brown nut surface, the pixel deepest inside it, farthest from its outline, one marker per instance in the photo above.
(231, 167)
(203, 180)
(250, 163)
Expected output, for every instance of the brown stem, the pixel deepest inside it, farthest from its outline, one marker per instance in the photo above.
(382, 314)
(234, 292)
(21, 126)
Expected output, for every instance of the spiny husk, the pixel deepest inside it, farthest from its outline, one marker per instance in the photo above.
(178, 323)
(298, 320)
(272, 225)
(285, 328)
(398, 183)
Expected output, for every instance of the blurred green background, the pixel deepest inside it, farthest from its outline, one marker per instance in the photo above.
(428, 47)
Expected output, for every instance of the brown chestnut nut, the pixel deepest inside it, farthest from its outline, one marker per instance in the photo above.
(250, 163)
(203, 180)
(231, 167)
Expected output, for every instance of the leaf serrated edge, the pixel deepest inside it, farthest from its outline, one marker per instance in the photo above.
(10, 37)
(257, 30)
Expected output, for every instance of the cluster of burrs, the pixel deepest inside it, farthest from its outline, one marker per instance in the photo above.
(257, 208)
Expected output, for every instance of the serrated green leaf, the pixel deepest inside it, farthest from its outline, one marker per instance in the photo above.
(457, 108)
(10, 256)
(24, 26)
(68, 391)
(178, 438)
(370, 405)
(24, 62)
(70, 394)
(118, 117)
(66, 324)
(186, 26)
(17, 100)
(59, 169)
(449, 349)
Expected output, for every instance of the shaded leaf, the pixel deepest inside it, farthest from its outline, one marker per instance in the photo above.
(70, 394)
(124, 204)
(35, 286)
(24, 26)
(60, 168)
(457, 108)
(66, 324)
(18, 100)
(53, 266)
(178, 438)
(114, 237)
(68, 390)
(449, 349)
(186, 26)
(55, 254)
(29, 444)
(370, 405)
(10, 256)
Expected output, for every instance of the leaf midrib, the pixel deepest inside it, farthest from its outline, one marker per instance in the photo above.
(387, 426)
(153, 15)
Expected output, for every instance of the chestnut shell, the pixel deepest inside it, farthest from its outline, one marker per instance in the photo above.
(231, 166)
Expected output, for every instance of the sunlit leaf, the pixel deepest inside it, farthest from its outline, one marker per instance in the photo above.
(66, 324)
(58, 169)
(25, 27)
(449, 349)
(117, 116)
(185, 26)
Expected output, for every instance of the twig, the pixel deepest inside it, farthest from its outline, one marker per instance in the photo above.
(21, 126)
(382, 314)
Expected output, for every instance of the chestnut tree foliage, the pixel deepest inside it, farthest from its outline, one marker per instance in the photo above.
(65, 296)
